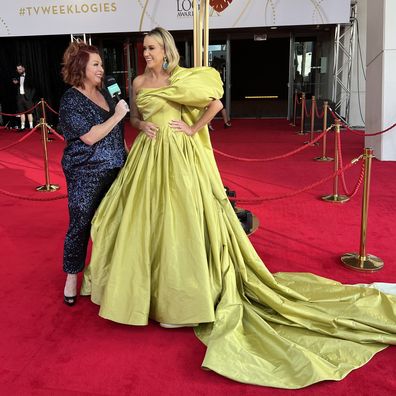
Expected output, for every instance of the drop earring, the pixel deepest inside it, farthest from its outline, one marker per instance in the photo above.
(165, 63)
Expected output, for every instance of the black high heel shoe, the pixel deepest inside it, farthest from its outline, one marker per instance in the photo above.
(70, 287)
(70, 301)
(227, 124)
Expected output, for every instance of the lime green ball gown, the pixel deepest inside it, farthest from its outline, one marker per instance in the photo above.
(168, 246)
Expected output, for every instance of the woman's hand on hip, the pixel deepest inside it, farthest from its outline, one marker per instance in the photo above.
(149, 129)
(181, 126)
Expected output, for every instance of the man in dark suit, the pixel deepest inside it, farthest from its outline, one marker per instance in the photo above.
(25, 95)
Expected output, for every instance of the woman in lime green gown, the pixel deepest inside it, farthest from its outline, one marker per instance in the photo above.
(168, 246)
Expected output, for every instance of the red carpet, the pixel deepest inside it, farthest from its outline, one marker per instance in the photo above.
(47, 348)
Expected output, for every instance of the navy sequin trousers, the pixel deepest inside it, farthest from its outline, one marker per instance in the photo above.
(85, 195)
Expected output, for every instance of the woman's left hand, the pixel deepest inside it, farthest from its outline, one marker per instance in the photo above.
(181, 126)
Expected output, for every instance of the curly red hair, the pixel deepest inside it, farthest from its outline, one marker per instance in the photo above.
(75, 60)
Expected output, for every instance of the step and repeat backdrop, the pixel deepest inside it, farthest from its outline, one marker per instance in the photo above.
(51, 17)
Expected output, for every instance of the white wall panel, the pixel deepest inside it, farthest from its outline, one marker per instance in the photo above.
(48, 17)
(381, 77)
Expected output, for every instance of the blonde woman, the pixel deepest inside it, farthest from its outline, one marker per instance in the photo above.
(168, 246)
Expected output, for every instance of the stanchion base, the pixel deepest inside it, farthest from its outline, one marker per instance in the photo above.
(47, 188)
(324, 159)
(335, 198)
(250, 225)
(256, 224)
(312, 144)
(369, 263)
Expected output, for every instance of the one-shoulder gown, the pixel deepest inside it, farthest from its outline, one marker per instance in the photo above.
(168, 246)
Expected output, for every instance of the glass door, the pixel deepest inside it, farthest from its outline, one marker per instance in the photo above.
(310, 67)
(304, 78)
(219, 59)
(309, 71)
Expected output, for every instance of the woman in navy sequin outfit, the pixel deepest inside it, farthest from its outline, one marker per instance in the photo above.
(95, 151)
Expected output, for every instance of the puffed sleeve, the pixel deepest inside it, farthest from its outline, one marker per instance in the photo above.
(195, 86)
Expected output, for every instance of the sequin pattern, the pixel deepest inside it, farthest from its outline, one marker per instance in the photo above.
(89, 170)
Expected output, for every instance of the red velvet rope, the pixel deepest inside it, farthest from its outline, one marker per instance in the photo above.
(30, 110)
(360, 133)
(20, 140)
(358, 184)
(307, 114)
(317, 113)
(50, 108)
(276, 157)
(259, 200)
(24, 112)
(55, 133)
(369, 134)
(340, 162)
(9, 194)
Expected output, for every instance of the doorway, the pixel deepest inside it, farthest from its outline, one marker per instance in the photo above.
(219, 58)
(259, 78)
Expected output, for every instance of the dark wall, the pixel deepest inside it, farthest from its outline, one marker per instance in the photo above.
(42, 57)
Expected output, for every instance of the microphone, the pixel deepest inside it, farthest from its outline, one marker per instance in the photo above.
(113, 88)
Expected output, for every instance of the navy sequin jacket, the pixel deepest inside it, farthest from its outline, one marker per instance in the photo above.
(77, 115)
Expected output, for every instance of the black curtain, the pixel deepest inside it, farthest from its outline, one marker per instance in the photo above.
(42, 57)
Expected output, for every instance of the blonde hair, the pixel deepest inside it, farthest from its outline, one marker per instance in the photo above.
(166, 40)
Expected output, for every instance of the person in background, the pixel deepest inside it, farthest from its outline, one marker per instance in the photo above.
(24, 95)
(95, 151)
(227, 123)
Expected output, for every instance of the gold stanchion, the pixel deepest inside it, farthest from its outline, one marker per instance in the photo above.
(362, 261)
(302, 114)
(47, 186)
(313, 108)
(324, 157)
(44, 117)
(294, 108)
(335, 197)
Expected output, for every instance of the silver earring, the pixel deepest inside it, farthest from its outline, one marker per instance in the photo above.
(165, 63)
